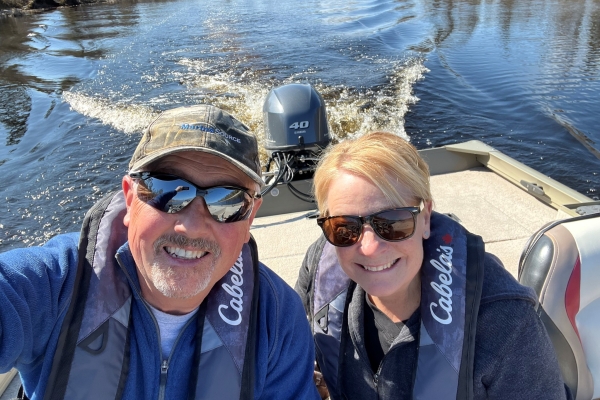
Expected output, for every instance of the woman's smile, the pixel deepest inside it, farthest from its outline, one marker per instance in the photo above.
(377, 268)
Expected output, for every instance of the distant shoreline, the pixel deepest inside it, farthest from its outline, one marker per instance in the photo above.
(19, 8)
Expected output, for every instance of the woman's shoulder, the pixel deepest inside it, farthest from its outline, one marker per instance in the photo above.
(313, 253)
(507, 310)
(514, 357)
(499, 284)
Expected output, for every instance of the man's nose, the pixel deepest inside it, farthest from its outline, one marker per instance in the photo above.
(194, 219)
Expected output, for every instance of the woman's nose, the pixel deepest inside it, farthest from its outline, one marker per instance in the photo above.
(370, 243)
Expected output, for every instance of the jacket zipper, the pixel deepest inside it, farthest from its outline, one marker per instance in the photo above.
(377, 374)
(164, 367)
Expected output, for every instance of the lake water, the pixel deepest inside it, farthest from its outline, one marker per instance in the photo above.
(77, 85)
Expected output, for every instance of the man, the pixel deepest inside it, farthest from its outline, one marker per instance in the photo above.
(161, 295)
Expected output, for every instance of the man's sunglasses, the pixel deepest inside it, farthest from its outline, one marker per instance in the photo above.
(392, 225)
(171, 194)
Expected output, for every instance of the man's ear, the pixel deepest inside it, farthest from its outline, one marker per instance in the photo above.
(257, 204)
(129, 193)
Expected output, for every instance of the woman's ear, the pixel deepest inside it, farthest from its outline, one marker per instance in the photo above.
(427, 209)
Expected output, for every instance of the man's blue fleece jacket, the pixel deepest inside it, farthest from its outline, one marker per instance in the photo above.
(35, 290)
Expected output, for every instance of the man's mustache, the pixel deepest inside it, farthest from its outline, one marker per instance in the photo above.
(199, 244)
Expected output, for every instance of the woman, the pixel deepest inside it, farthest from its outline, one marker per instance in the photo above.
(403, 301)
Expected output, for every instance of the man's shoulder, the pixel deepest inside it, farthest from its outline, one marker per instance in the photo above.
(66, 239)
(271, 282)
(60, 248)
(277, 297)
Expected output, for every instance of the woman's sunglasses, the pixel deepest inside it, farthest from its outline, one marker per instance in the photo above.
(171, 194)
(392, 225)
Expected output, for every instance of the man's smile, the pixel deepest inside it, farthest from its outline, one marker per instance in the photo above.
(178, 252)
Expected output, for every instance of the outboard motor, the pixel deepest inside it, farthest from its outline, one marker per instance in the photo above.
(296, 131)
(561, 262)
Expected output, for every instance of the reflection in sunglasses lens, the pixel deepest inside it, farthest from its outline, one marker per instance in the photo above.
(344, 230)
(171, 194)
(391, 225)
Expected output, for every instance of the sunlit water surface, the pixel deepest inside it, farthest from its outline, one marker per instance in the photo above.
(77, 85)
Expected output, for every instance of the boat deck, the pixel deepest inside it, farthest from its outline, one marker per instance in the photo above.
(486, 204)
(504, 215)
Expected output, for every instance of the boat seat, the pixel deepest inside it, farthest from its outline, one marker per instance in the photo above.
(561, 262)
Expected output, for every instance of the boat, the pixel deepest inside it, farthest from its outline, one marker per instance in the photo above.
(491, 194)
(510, 205)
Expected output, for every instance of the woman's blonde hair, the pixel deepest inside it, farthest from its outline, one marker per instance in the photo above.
(384, 159)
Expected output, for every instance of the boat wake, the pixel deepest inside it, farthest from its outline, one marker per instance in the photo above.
(128, 118)
(351, 111)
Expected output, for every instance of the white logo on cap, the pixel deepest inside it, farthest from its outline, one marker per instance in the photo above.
(209, 129)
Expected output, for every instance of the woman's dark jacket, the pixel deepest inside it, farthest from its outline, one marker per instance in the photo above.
(514, 358)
